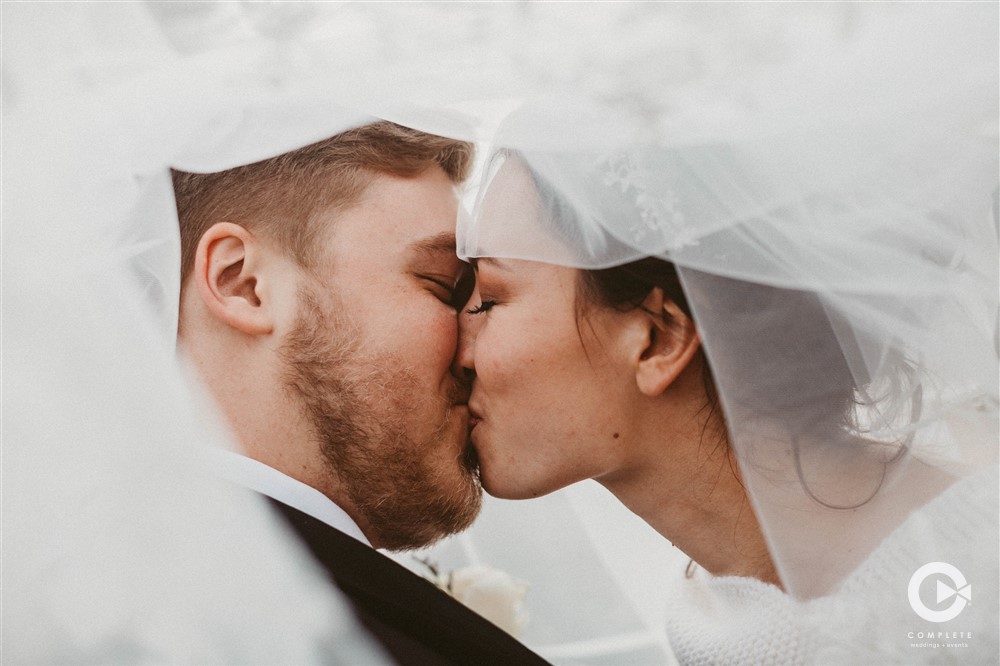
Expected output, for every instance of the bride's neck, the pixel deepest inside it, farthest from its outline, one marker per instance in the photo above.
(684, 482)
(707, 516)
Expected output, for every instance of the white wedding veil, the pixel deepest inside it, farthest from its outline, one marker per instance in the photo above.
(118, 545)
(117, 548)
(833, 221)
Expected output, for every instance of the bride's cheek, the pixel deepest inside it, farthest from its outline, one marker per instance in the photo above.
(490, 364)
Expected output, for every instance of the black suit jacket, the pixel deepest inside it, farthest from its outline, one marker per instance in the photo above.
(415, 621)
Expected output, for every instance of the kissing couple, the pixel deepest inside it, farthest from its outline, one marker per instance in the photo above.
(734, 370)
(737, 264)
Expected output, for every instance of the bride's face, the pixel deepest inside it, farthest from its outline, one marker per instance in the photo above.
(552, 388)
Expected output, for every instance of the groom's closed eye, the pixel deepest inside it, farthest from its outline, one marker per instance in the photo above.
(440, 285)
(454, 292)
(433, 261)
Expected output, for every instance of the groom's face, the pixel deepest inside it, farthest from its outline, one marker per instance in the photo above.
(371, 359)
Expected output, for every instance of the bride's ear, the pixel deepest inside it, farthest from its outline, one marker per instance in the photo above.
(230, 278)
(671, 343)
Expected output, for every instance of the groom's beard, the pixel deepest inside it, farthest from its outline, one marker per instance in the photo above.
(407, 492)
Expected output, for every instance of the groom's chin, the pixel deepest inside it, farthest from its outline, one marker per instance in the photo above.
(470, 461)
(437, 518)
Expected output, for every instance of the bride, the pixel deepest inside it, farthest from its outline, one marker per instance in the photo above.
(779, 353)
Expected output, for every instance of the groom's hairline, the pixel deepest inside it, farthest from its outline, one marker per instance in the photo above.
(378, 148)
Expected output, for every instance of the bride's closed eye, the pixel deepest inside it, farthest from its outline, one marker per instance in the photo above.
(481, 308)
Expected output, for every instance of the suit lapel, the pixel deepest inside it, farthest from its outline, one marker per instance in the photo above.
(385, 592)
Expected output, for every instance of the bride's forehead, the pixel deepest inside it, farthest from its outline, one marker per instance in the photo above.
(510, 196)
(512, 221)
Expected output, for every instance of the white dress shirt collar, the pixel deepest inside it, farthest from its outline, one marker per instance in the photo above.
(255, 475)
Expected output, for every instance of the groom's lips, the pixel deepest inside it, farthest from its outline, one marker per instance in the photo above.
(474, 417)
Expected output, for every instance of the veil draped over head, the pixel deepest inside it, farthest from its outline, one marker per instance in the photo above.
(833, 220)
(856, 170)
(118, 545)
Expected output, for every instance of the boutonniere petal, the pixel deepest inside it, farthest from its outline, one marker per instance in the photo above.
(494, 594)
(490, 592)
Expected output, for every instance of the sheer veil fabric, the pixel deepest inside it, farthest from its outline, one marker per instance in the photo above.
(118, 546)
(833, 221)
(723, 151)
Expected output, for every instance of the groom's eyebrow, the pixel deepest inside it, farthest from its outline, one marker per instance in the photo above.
(433, 246)
(490, 261)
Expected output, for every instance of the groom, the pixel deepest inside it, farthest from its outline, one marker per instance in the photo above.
(318, 304)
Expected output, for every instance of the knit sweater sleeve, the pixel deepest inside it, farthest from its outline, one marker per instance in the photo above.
(868, 618)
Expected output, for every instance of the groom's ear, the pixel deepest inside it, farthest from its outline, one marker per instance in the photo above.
(671, 343)
(229, 273)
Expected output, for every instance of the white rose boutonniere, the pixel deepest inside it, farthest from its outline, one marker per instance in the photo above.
(494, 594)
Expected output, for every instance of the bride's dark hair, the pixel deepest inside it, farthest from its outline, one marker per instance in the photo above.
(625, 287)
(810, 343)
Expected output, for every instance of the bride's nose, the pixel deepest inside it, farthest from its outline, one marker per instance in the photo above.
(464, 365)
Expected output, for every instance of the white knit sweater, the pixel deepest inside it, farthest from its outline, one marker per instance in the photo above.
(868, 619)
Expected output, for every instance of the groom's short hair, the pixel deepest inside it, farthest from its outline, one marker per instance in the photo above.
(282, 197)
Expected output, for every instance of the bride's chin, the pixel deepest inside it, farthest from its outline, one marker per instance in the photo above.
(507, 486)
(495, 484)
(498, 480)
(502, 492)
